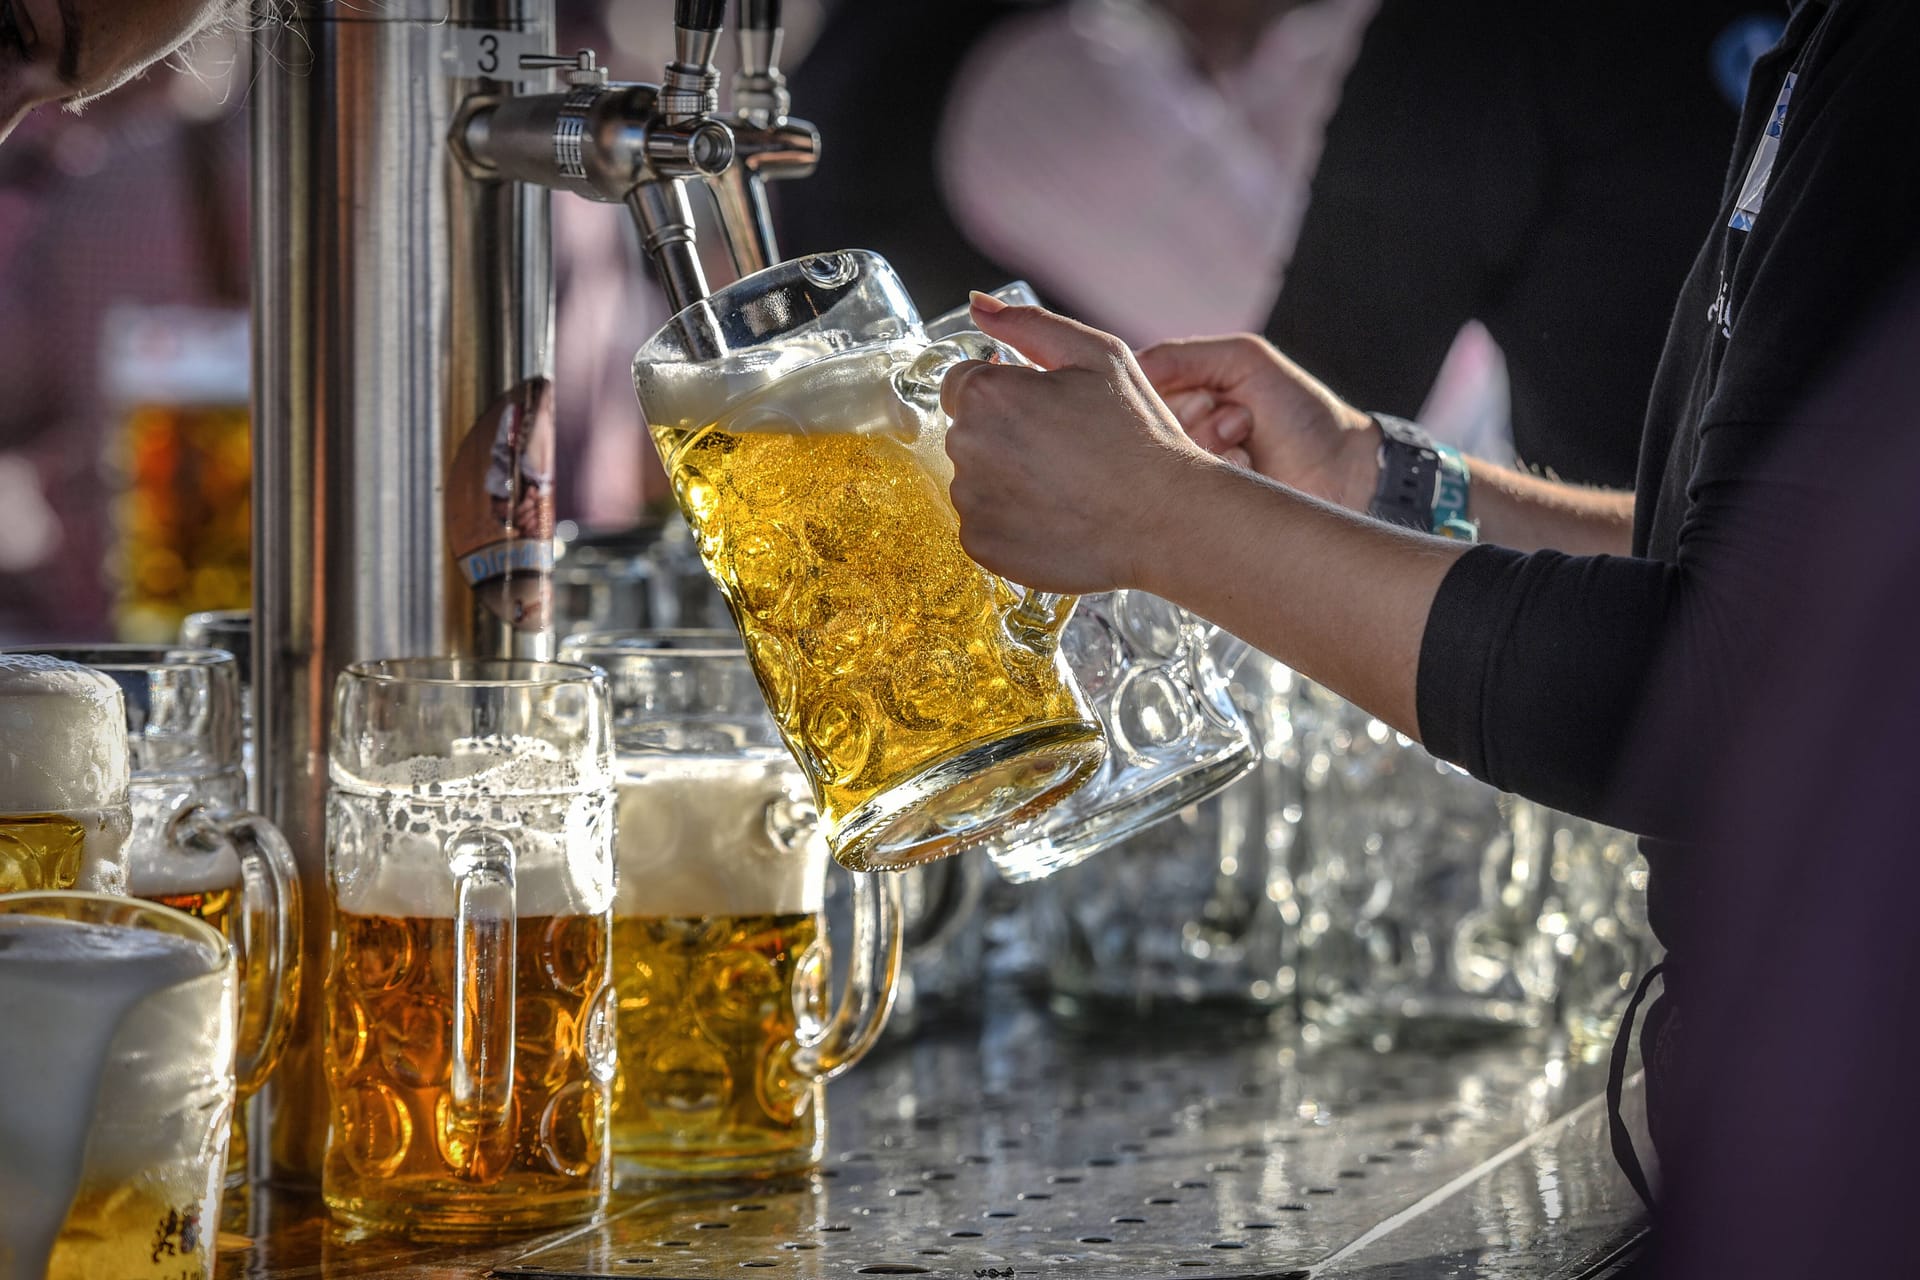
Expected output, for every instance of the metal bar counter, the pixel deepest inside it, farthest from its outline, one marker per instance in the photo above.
(1020, 1148)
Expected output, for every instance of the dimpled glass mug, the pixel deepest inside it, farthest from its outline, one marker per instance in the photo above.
(116, 1057)
(797, 412)
(469, 997)
(196, 847)
(720, 949)
(1174, 735)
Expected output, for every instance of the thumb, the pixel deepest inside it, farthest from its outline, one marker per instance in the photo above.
(1049, 340)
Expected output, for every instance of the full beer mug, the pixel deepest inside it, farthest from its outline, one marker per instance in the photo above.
(469, 1018)
(64, 816)
(720, 951)
(195, 846)
(117, 1062)
(1174, 735)
(797, 412)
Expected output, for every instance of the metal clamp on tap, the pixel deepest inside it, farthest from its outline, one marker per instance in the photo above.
(615, 142)
(767, 144)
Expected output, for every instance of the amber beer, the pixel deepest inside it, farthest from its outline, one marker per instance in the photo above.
(468, 999)
(820, 507)
(718, 943)
(64, 815)
(398, 1141)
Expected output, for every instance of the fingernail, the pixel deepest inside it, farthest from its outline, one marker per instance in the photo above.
(985, 302)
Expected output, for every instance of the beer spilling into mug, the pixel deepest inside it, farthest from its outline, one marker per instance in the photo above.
(64, 816)
(720, 951)
(120, 1026)
(820, 504)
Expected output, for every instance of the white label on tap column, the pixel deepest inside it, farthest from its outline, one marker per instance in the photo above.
(476, 51)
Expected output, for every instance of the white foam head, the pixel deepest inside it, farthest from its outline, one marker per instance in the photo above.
(63, 736)
(393, 831)
(111, 1055)
(717, 835)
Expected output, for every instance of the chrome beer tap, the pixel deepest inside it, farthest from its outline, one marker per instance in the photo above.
(632, 144)
(768, 144)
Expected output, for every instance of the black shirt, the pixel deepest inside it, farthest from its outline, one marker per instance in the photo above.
(1532, 665)
(1544, 168)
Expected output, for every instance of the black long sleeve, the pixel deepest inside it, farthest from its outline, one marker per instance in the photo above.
(1533, 664)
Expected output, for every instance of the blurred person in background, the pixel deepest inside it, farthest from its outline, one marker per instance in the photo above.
(1525, 659)
(1542, 170)
(139, 201)
(1148, 165)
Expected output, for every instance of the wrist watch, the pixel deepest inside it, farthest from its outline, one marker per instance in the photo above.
(1422, 485)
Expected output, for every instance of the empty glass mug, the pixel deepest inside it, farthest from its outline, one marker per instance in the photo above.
(1594, 917)
(798, 415)
(117, 1061)
(720, 949)
(232, 630)
(1421, 914)
(1174, 736)
(1196, 914)
(64, 815)
(469, 1018)
(196, 847)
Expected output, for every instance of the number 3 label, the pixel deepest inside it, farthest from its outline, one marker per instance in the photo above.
(494, 54)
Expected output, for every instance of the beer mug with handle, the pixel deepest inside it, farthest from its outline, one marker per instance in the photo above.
(64, 816)
(469, 1042)
(798, 414)
(1174, 735)
(720, 950)
(117, 1060)
(196, 847)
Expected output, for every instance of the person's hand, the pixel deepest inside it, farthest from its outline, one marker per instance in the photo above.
(1243, 401)
(1064, 476)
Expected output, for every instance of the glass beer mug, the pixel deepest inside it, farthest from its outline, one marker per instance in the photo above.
(195, 846)
(64, 816)
(117, 1063)
(720, 951)
(469, 1016)
(797, 412)
(1174, 735)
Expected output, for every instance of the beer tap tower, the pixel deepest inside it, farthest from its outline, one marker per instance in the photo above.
(403, 348)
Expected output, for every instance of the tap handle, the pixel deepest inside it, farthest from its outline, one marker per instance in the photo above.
(699, 15)
(759, 15)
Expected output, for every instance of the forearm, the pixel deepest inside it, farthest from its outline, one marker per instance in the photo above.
(1531, 513)
(1513, 508)
(1340, 598)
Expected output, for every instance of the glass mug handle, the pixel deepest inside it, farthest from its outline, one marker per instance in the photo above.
(270, 947)
(484, 937)
(1037, 620)
(854, 1027)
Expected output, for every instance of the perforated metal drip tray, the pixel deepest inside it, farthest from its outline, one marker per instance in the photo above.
(1024, 1151)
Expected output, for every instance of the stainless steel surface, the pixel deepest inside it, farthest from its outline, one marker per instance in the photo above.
(1021, 1152)
(394, 300)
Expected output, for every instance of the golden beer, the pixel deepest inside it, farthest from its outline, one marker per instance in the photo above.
(881, 647)
(128, 1232)
(707, 1030)
(400, 1158)
(40, 851)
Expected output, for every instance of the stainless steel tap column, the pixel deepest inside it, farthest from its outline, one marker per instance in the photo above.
(396, 302)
